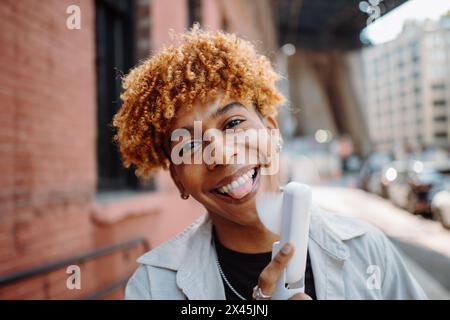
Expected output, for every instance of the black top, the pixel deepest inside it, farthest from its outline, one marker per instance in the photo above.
(242, 271)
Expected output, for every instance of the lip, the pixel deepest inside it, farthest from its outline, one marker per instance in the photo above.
(234, 176)
(248, 196)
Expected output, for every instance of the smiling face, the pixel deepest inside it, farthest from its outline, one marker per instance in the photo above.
(228, 188)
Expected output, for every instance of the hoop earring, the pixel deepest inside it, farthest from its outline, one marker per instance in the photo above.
(184, 196)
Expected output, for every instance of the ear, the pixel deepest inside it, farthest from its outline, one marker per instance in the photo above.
(271, 122)
(175, 178)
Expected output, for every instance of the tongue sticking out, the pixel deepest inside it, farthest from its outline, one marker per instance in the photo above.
(242, 190)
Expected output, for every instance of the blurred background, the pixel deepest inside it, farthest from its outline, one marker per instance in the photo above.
(367, 124)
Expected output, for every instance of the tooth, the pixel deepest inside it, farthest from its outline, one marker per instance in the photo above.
(222, 189)
(241, 181)
(234, 184)
(225, 189)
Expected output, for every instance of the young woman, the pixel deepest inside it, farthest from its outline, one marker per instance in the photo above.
(215, 84)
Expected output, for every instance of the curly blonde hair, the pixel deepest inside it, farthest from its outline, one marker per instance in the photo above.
(199, 67)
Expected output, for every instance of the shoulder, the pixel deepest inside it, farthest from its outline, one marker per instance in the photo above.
(362, 240)
(138, 286)
(171, 253)
(156, 277)
(347, 228)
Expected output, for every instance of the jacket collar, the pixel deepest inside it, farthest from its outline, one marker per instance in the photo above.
(330, 232)
(191, 254)
(186, 245)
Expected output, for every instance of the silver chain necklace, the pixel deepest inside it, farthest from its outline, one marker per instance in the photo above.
(222, 274)
(224, 277)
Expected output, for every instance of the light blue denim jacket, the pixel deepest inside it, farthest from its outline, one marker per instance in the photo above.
(350, 259)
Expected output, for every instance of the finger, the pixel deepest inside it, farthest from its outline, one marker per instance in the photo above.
(271, 273)
(300, 296)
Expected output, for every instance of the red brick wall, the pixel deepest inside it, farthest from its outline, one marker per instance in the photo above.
(48, 157)
(47, 130)
(166, 15)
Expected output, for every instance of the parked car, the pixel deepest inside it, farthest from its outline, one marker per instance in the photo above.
(395, 179)
(409, 186)
(371, 173)
(423, 187)
(440, 204)
(375, 185)
(440, 207)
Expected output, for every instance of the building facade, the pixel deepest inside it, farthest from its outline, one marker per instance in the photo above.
(408, 88)
(63, 190)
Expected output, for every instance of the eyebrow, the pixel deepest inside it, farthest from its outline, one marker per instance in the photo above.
(219, 112)
(227, 108)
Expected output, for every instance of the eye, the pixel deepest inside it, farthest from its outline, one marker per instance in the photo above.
(189, 147)
(232, 123)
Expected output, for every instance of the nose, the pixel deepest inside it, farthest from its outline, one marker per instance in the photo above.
(224, 153)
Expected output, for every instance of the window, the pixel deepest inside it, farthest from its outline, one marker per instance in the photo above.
(194, 11)
(439, 103)
(114, 55)
(438, 86)
(440, 118)
(441, 135)
(417, 90)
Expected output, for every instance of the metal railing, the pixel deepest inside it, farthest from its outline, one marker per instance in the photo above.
(76, 260)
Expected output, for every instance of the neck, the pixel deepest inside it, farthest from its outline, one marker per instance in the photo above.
(243, 238)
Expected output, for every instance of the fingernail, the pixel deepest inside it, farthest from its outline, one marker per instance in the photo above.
(287, 248)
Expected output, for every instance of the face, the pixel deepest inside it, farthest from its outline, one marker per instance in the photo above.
(227, 185)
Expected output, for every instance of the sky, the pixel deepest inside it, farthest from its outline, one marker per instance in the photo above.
(389, 26)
